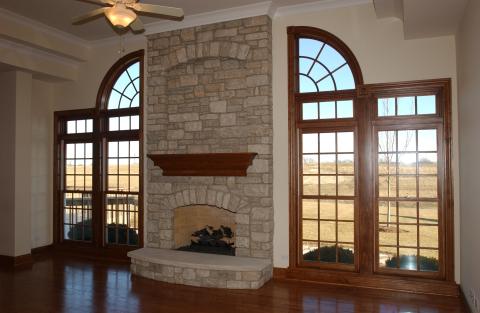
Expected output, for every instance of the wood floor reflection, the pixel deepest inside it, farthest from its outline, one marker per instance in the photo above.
(59, 284)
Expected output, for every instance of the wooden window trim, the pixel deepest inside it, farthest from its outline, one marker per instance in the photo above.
(366, 272)
(100, 135)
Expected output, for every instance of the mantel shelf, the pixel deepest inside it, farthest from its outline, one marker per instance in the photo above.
(204, 164)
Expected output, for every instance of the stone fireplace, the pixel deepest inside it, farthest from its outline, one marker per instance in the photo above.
(209, 91)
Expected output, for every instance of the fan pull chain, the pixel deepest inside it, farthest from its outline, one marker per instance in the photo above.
(121, 49)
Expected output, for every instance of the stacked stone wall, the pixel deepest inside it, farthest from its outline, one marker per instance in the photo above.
(210, 91)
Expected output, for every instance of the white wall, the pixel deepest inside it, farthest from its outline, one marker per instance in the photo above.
(42, 161)
(82, 93)
(7, 170)
(384, 56)
(468, 51)
(22, 162)
(15, 164)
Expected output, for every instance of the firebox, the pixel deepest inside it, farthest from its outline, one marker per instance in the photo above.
(205, 229)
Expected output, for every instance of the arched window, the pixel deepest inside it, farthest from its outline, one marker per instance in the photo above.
(120, 108)
(322, 68)
(99, 172)
(370, 183)
(325, 94)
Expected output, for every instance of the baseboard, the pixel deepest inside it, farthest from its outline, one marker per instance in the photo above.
(41, 250)
(466, 308)
(10, 262)
(378, 282)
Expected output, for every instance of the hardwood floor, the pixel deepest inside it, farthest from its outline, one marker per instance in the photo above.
(66, 284)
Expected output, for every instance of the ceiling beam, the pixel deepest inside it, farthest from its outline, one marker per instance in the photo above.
(19, 29)
(41, 64)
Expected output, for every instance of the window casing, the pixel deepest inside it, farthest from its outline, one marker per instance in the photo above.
(378, 200)
(98, 173)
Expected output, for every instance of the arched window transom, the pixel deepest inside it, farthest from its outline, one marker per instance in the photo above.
(322, 68)
(126, 90)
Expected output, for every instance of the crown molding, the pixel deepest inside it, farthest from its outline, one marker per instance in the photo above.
(224, 15)
(43, 37)
(39, 62)
(316, 6)
(6, 14)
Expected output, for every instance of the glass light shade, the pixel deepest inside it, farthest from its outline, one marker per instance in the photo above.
(120, 16)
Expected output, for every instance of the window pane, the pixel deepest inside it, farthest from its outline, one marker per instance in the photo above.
(327, 142)
(407, 141)
(327, 164)
(427, 163)
(310, 230)
(328, 231)
(328, 185)
(387, 141)
(345, 164)
(406, 106)
(310, 163)
(327, 209)
(345, 232)
(386, 107)
(426, 105)
(113, 124)
(387, 212)
(310, 143)
(429, 260)
(427, 140)
(345, 142)
(327, 110)
(71, 127)
(331, 58)
(344, 78)
(428, 212)
(407, 212)
(345, 109)
(310, 208)
(326, 84)
(310, 111)
(310, 185)
(346, 210)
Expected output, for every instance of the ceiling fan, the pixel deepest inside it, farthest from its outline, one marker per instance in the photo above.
(121, 13)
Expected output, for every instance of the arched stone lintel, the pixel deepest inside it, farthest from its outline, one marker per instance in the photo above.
(200, 196)
(213, 49)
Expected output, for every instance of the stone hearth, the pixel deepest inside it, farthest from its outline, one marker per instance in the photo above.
(200, 269)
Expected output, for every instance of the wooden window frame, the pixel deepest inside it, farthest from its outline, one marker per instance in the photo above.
(366, 272)
(100, 136)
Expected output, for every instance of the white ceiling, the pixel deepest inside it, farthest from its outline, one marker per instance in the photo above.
(58, 13)
(424, 18)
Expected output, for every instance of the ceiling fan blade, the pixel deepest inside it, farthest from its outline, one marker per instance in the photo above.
(137, 25)
(100, 2)
(88, 15)
(157, 9)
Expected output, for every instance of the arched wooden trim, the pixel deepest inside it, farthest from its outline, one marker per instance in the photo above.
(114, 73)
(330, 39)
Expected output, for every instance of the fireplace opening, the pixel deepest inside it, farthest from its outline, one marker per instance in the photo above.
(204, 229)
(211, 240)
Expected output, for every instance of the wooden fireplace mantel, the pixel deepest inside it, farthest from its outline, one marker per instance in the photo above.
(204, 164)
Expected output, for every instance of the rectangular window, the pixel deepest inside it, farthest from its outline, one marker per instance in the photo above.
(408, 199)
(77, 191)
(328, 201)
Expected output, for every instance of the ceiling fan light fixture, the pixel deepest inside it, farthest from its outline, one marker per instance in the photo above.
(120, 16)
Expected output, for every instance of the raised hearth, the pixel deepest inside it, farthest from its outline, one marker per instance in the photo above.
(199, 269)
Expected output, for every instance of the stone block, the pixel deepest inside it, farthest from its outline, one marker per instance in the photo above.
(218, 106)
(228, 119)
